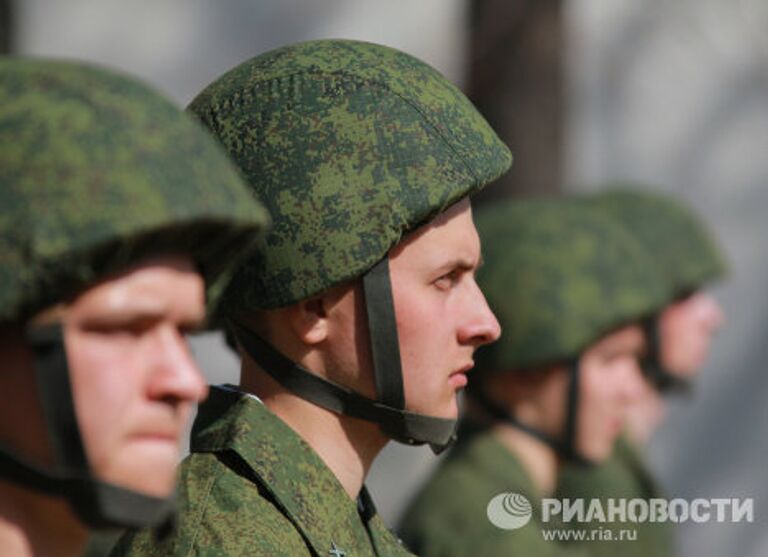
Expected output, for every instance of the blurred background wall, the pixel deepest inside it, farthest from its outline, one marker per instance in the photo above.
(673, 94)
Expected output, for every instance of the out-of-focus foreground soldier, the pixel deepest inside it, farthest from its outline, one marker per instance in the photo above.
(358, 318)
(117, 210)
(570, 288)
(679, 340)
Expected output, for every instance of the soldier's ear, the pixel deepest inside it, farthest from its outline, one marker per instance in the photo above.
(309, 320)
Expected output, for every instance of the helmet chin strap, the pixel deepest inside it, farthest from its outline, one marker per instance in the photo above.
(96, 503)
(418, 429)
(388, 410)
(565, 447)
(654, 370)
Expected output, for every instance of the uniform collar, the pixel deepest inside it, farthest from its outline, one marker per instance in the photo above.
(285, 466)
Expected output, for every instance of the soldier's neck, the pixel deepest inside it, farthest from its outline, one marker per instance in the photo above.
(538, 459)
(348, 446)
(33, 525)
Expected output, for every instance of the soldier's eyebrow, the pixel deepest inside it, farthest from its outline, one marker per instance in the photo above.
(192, 325)
(123, 313)
(142, 317)
(470, 264)
(129, 307)
(465, 264)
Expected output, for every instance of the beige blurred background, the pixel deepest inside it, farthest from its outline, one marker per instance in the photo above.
(669, 93)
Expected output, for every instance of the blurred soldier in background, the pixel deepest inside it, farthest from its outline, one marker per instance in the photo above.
(358, 317)
(117, 212)
(570, 288)
(679, 338)
(684, 249)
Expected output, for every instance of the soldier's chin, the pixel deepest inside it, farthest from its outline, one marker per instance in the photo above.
(150, 472)
(159, 484)
(596, 451)
(687, 367)
(450, 410)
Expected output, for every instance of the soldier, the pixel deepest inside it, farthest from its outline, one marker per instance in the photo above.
(681, 335)
(358, 317)
(679, 340)
(117, 211)
(569, 287)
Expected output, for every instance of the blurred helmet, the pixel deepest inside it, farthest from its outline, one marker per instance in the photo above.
(677, 238)
(559, 275)
(96, 171)
(681, 246)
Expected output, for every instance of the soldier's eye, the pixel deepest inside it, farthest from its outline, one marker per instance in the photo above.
(191, 330)
(121, 324)
(448, 280)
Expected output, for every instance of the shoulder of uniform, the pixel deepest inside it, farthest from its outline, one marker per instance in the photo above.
(223, 502)
(449, 515)
(223, 511)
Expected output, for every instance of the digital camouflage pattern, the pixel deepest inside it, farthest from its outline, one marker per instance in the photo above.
(97, 170)
(678, 239)
(448, 518)
(559, 274)
(253, 487)
(623, 475)
(349, 145)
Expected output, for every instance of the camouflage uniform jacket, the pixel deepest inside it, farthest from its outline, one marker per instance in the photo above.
(623, 475)
(253, 487)
(449, 517)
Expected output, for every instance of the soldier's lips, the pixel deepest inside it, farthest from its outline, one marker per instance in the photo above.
(155, 445)
(458, 379)
(156, 436)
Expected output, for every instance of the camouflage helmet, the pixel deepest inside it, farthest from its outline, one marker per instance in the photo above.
(681, 246)
(97, 170)
(349, 145)
(559, 275)
(676, 237)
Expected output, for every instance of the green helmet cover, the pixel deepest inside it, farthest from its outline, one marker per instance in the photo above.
(559, 274)
(98, 170)
(679, 241)
(349, 145)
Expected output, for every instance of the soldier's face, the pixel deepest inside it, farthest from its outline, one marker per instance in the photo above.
(611, 379)
(133, 379)
(442, 316)
(686, 329)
